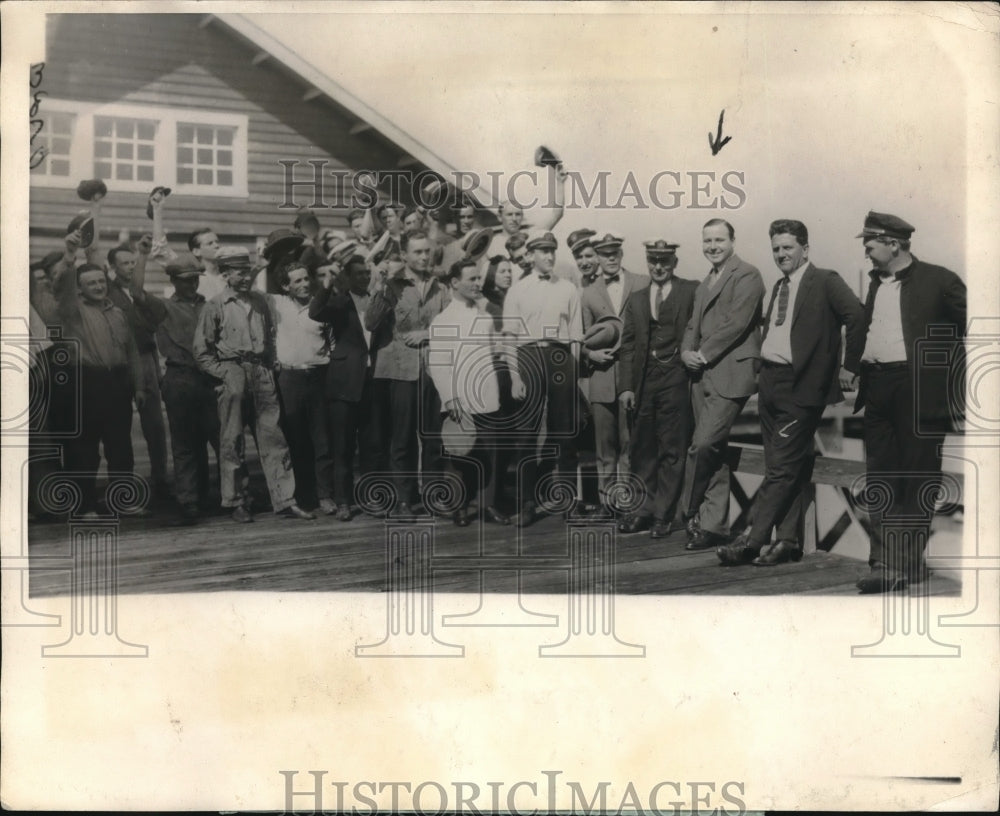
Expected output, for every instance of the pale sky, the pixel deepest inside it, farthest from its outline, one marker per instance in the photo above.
(830, 114)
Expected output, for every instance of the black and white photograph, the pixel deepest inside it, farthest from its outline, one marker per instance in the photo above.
(371, 357)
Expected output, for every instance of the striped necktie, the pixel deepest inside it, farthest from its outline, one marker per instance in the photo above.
(782, 301)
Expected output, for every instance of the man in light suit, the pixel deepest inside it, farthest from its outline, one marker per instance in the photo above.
(656, 385)
(607, 295)
(720, 349)
(800, 375)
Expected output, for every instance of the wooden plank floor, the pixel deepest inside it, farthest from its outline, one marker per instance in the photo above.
(275, 554)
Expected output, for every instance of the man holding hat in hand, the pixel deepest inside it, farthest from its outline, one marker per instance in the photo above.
(607, 298)
(541, 319)
(188, 392)
(909, 405)
(655, 385)
(235, 343)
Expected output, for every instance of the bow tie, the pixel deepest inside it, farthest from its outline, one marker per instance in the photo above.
(615, 279)
(544, 277)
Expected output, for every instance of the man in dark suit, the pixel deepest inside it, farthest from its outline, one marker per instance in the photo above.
(909, 403)
(607, 295)
(800, 375)
(349, 378)
(656, 386)
(720, 349)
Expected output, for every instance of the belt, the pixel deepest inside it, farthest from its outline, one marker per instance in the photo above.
(245, 357)
(773, 364)
(303, 367)
(895, 366)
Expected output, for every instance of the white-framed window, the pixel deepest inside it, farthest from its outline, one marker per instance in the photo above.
(135, 147)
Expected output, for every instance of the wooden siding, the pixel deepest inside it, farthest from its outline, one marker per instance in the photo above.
(167, 59)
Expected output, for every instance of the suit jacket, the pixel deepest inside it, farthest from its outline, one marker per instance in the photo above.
(350, 359)
(638, 323)
(725, 328)
(930, 296)
(605, 382)
(823, 303)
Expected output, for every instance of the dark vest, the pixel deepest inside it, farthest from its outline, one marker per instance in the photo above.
(664, 341)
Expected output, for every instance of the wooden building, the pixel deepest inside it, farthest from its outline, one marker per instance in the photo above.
(207, 105)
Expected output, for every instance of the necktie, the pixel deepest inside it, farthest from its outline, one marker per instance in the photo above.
(713, 276)
(782, 301)
(658, 302)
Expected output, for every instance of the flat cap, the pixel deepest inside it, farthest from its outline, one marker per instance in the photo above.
(578, 239)
(608, 241)
(91, 189)
(184, 266)
(660, 248)
(541, 239)
(281, 241)
(231, 256)
(886, 226)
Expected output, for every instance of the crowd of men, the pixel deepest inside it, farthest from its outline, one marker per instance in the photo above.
(419, 344)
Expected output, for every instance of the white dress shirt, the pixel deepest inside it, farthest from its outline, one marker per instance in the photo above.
(300, 341)
(885, 342)
(538, 310)
(777, 346)
(460, 358)
(616, 289)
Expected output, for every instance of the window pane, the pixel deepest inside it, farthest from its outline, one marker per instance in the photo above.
(145, 172)
(60, 167)
(185, 133)
(60, 145)
(123, 150)
(204, 176)
(145, 152)
(102, 169)
(224, 177)
(102, 150)
(224, 136)
(61, 124)
(184, 175)
(204, 135)
(205, 155)
(102, 127)
(125, 128)
(224, 158)
(123, 172)
(185, 155)
(146, 131)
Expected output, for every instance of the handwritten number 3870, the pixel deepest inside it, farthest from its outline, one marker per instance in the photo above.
(39, 153)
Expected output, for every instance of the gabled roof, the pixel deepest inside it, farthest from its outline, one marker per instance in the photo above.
(320, 86)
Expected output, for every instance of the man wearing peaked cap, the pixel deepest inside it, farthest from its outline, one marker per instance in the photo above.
(188, 392)
(235, 343)
(542, 325)
(654, 387)
(582, 247)
(912, 389)
(607, 296)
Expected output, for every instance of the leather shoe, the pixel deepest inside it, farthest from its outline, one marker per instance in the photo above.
(881, 579)
(661, 529)
(327, 507)
(493, 515)
(294, 511)
(704, 540)
(634, 524)
(693, 526)
(526, 517)
(344, 513)
(242, 515)
(779, 553)
(741, 551)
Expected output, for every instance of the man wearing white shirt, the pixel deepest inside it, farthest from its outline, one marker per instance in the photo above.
(460, 362)
(302, 348)
(542, 320)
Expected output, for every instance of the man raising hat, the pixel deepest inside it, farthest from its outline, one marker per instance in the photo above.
(909, 403)
(655, 387)
(234, 342)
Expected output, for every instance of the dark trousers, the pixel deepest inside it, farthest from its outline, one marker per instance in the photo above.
(193, 416)
(354, 427)
(788, 430)
(550, 379)
(476, 468)
(151, 417)
(105, 419)
(706, 474)
(414, 421)
(304, 421)
(903, 463)
(660, 438)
